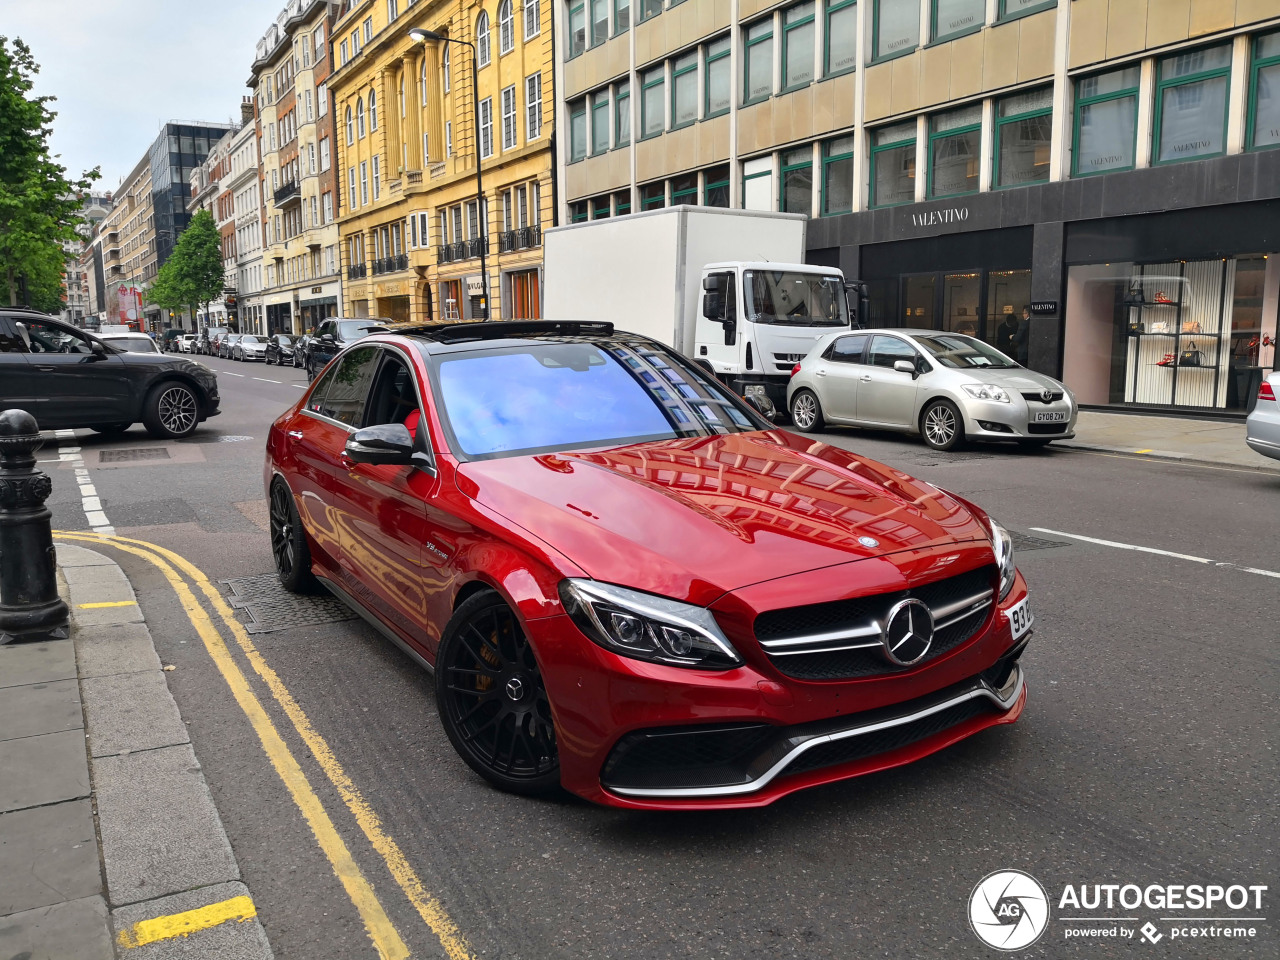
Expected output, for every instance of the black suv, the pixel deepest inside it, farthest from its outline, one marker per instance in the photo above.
(331, 336)
(67, 378)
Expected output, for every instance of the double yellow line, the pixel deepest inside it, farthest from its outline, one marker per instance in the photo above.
(382, 932)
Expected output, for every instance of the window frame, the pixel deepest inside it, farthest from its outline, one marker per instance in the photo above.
(914, 140)
(692, 56)
(829, 8)
(645, 85)
(933, 25)
(533, 7)
(621, 103)
(592, 42)
(576, 109)
(708, 185)
(748, 177)
(532, 82)
(1135, 92)
(484, 52)
(506, 28)
(619, 5)
(486, 105)
(1256, 66)
(943, 135)
(640, 5)
(747, 44)
(1015, 118)
(1004, 16)
(829, 158)
(708, 58)
(1158, 107)
(787, 28)
(875, 38)
(580, 6)
(600, 98)
(784, 169)
(513, 115)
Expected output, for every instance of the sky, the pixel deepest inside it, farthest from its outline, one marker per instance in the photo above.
(122, 68)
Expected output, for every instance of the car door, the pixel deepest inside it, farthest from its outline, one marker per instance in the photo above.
(18, 388)
(887, 396)
(838, 375)
(322, 352)
(78, 386)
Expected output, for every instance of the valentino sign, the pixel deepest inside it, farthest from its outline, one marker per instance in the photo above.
(937, 218)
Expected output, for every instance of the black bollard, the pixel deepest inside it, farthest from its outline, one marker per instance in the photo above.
(30, 608)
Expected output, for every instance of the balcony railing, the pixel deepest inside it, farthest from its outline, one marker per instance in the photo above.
(357, 271)
(465, 250)
(391, 264)
(290, 191)
(524, 238)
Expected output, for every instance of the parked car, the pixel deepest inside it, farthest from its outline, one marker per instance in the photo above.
(279, 349)
(300, 350)
(226, 342)
(1262, 427)
(67, 379)
(946, 387)
(249, 347)
(334, 334)
(187, 343)
(627, 582)
(169, 340)
(131, 342)
(208, 342)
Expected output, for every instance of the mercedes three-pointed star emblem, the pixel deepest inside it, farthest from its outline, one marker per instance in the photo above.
(907, 633)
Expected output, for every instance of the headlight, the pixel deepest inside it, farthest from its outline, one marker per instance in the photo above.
(1003, 544)
(986, 391)
(648, 627)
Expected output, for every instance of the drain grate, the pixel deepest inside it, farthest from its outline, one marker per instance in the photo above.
(1023, 542)
(130, 455)
(271, 607)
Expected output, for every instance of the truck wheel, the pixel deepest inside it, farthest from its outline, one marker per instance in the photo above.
(806, 412)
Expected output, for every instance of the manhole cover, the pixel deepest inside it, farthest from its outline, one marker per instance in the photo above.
(1023, 541)
(271, 607)
(137, 453)
(216, 438)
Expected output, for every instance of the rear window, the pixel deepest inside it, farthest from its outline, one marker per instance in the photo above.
(139, 344)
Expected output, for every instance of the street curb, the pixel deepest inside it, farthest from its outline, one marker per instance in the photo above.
(161, 838)
(1169, 455)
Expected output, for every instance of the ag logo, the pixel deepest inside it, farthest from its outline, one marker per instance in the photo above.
(1009, 910)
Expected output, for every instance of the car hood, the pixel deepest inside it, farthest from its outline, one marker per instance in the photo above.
(695, 518)
(1018, 379)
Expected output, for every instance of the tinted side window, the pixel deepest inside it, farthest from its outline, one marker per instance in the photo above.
(10, 342)
(53, 338)
(885, 351)
(848, 349)
(315, 403)
(345, 399)
(394, 398)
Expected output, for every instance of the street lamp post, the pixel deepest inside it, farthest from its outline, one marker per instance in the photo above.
(419, 35)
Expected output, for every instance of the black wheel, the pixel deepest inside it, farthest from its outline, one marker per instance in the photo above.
(492, 702)
(171, 411)
(111, 429)
(289, 547)
(941, 425)
(806, 412)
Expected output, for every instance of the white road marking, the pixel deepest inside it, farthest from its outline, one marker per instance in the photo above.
(301, 386)
(69, 452)
(230, 374)
(265, 380)
(1159, 553)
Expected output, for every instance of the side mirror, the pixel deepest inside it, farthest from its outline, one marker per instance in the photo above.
(906, 366)
(328, 339)
(712, 306)
(386, 444)
(97, 349)
(763, 407)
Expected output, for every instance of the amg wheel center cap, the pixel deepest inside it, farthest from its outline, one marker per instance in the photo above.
(515, 688)
(907, 633)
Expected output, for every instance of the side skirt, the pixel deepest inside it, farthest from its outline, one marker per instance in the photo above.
(372, 619)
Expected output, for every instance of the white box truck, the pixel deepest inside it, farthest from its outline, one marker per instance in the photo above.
(726, 288)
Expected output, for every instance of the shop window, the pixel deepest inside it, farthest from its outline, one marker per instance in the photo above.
(837, 176)
(653, 196)
(918, 295)
(684, 90)
(757, 184)
(577, 15)
(622, 203)
(621, 16)
(600, 208)
(1106, 123)
(961, 303)
(1024, 135)
(757, 72)
(579, 211)
(841, 39)
(577, 130)
(1008, 294)
(684, 189)
(798, 39)
(599, 21)
(719, 78)
(1191, 104)
(599, 122)
(1012, 9)
(895, 28)
(1264, 93)
(622, 114)
(893, 165)
(955, 146)
(797, 181)
(652, 108)
(716, 191)
(955, 18)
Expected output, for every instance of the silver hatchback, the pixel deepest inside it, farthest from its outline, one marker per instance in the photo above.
(947, 387)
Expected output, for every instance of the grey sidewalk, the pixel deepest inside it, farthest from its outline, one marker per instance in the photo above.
(88, 726)
(1219, 442)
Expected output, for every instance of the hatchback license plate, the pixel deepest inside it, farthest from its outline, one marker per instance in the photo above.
(1051, 416)
(1020, 618)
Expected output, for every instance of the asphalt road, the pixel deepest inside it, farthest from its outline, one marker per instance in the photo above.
(1146, 754)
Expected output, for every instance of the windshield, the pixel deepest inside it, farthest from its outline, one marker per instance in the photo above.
(568, 395)
(248, 339)
(139, 344)
(964, 353)
(795, 299)
(355, 329)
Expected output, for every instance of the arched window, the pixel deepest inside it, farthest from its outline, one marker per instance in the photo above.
(482, 38)
(351, 130)
(532, 19)
(422, 82)
(360, 117)
(373, 111)
(444, 66)
(506, 28)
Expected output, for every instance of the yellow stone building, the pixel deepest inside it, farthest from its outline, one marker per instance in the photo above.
(418, 240)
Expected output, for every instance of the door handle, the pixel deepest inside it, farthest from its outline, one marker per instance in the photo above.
(865, 379)
(819, 373)
(45, 368)
(294, 434)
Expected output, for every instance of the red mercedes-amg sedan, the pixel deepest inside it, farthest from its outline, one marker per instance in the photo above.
(630, 584)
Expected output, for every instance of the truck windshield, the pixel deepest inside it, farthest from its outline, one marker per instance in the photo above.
(795, 299)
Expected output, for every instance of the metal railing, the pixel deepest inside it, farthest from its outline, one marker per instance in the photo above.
(357, 271)
(524, 238)
(390, 264)
(289, 191)
(464, 250)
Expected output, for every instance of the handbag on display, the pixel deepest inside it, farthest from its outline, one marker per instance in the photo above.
(1159, 326)
(1135, 296)
(1191, 356)
(1191, 326)
(1135, 328)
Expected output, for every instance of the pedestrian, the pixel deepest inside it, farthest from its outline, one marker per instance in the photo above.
(1006, 332)
(1021, 339)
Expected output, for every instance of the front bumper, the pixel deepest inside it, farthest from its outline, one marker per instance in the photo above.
(987, 420)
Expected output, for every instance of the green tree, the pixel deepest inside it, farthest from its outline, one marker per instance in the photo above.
(193, 273)
(39, 206)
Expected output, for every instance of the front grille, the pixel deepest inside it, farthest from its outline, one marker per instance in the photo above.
(1054, 397)
(859, 615)
(1046, 428)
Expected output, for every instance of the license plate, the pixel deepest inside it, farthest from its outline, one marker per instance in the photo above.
(1020, 618)
(1050, 416)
